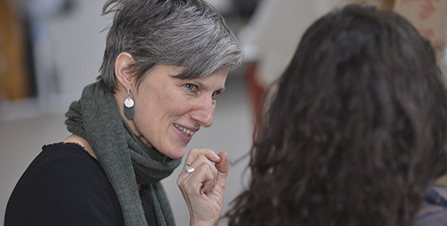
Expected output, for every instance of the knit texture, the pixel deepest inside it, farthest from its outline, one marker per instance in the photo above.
(125, 159)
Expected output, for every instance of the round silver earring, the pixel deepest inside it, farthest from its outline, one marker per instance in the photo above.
(129, 106)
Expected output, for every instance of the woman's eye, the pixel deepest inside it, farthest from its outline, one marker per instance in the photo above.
(215, 94)
(191, 87)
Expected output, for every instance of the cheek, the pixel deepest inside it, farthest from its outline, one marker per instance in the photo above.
(177, 108)
(175, 104)
(164, 110)
(162, 104)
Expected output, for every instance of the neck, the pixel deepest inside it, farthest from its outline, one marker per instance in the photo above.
(73, 138)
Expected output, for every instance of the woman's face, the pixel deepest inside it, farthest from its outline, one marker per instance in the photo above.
(169, 110)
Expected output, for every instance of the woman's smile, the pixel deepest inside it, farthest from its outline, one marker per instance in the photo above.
(184, 131)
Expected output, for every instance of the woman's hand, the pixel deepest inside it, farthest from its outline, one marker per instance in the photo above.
(203, 188)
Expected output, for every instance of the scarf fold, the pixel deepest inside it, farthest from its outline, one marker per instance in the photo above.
(125, 159)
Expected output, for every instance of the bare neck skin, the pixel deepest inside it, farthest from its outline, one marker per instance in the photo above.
(82, 142)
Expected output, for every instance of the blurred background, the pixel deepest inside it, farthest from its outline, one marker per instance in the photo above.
(51, 49)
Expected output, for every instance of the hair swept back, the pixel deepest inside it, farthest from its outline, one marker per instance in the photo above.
(356, 130)
(189, 33)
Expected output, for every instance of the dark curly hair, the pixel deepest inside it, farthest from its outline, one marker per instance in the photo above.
(355, 131)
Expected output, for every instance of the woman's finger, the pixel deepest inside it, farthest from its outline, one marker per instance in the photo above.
(196, 157)
(195, 153)
(202, 178)
(223, 169)
(201, 159)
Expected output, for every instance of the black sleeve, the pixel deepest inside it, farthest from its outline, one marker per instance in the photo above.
(63, 187)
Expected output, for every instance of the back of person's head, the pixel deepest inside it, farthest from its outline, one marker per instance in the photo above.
(189, 33)
(355, 131)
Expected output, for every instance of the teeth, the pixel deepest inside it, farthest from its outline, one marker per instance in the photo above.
(185, 131)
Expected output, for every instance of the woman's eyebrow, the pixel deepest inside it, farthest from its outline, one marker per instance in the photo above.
(204, 86)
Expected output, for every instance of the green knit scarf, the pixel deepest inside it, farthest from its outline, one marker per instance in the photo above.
(125, 159)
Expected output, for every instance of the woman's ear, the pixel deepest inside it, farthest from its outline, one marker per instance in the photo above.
(122, 72)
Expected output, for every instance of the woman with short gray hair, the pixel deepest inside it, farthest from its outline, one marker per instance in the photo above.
(164, 64)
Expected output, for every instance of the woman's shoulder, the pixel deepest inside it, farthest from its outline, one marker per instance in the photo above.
(70, 148)
(63, 185)
(58, 164)
(62, 162)
(61, 150)
(63, 156)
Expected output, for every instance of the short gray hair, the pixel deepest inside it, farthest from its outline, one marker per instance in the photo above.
(189, 33)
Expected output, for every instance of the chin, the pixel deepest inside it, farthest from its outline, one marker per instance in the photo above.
(177, 154)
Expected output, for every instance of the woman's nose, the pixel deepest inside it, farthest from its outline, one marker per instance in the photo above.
(203, 114)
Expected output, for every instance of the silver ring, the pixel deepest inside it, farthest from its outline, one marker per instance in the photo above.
(189, 169)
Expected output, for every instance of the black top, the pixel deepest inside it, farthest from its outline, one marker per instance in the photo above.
(64, 185)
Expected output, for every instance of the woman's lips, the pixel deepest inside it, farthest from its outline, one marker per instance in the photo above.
(184, 131)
